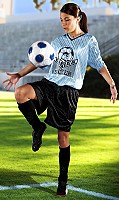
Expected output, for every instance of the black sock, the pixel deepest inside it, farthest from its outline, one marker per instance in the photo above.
(28, 110)
(64, 159)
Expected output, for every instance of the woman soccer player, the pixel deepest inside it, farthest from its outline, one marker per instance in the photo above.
(58, 92)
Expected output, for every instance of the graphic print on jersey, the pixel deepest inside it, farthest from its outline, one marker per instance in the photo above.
(65, 64)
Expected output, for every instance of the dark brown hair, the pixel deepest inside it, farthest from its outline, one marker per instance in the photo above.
(74, 10)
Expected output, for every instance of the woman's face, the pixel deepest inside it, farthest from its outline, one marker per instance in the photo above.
(69, 22)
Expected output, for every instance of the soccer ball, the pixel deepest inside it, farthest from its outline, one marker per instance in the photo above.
(41, 54)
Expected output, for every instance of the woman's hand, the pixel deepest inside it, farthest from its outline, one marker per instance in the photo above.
(106, 75)
(14, 78)
(113, 93)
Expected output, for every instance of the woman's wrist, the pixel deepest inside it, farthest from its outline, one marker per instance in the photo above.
(18, 75)
(112, 85)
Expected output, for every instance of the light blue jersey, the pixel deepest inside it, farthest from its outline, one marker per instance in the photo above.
(72, 56)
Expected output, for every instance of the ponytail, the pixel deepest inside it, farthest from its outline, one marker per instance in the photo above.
(83, 22)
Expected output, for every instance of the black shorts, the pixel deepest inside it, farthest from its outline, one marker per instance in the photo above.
(60, 102)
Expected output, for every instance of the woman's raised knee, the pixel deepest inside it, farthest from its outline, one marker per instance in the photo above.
(24, 93)
(21, 94)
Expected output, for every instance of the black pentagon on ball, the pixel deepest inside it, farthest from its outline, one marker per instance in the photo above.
(39, 58)
(41, 45)
(30, 50)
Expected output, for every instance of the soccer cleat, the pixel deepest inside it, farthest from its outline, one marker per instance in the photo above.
(37, 137)
(62, 190)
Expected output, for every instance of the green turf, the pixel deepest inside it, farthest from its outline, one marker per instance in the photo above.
(94, 143)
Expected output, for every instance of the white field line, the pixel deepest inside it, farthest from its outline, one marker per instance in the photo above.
(90, 193)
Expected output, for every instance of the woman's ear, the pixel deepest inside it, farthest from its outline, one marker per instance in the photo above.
(78, 19)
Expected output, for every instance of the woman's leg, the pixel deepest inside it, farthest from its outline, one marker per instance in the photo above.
(64, 159)
(25, 93)
(24, 96)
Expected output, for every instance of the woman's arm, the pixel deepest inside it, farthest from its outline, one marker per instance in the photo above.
(106, 75)
(29, 68)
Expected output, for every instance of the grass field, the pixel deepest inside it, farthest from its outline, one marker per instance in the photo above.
(94, 143)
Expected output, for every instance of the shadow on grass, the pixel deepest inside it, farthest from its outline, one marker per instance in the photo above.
(16, 121)
(102, 177)
(13, 178)
(16, 131)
